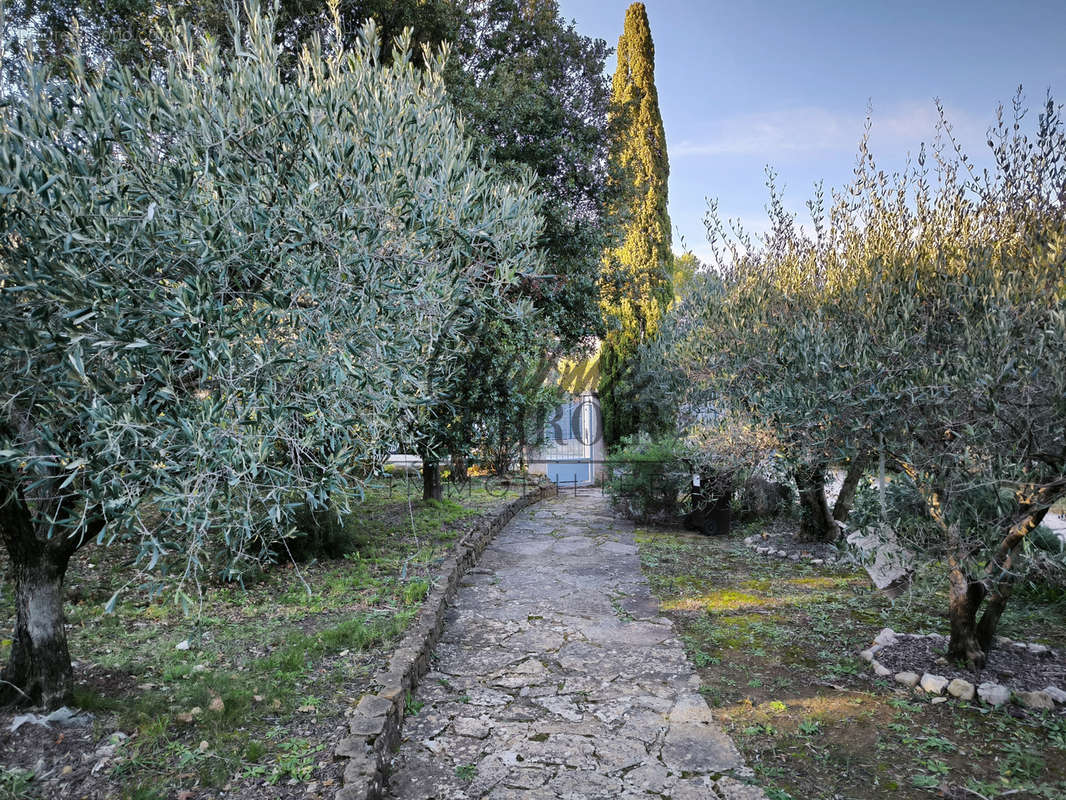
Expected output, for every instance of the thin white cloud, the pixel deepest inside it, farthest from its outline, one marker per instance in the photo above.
(811, 129)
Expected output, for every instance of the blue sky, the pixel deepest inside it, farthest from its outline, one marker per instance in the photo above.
(743, 85)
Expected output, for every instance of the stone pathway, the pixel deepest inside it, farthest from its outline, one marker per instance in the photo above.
(557, 678)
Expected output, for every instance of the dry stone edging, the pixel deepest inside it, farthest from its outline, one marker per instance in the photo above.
(755, 543)
(374, 730)
(988, 692)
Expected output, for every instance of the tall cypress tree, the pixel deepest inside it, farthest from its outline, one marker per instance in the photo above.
(636, 274)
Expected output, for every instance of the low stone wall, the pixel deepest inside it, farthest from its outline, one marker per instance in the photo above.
(374, 730)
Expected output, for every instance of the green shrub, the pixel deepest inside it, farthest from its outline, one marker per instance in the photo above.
(904, 512)
(645, 478)
(321, 534)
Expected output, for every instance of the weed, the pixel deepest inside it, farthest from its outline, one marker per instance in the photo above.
(295, 760)
(923, 781)
(15, 784)
(466, 772)
(415, 591)
(412, 706)
(762, 729)
(146, 793)
(621, 613)
(933, 741)
(254, 751)
(1022, 761)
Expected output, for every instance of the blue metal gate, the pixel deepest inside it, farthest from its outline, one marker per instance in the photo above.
(568, 439)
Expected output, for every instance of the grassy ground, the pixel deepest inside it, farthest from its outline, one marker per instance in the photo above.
(249, 688)
(776, 643)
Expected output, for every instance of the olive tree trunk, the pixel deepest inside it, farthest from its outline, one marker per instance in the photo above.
(964, 602)
(38, 670)
(431, 488)
(973, 638)
(816, 520)
(846, 499)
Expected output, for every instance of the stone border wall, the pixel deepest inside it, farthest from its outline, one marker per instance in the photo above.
(374, 730)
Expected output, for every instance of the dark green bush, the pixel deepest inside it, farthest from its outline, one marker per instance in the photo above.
(319, 534)
(758, 497)
(646, 477)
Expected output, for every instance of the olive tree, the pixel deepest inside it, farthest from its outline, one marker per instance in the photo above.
(920, 318)
(978, 417)
(214, 288)
(757, 345)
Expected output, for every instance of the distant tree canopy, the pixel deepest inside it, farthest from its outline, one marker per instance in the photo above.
(135, 32)
(685, 274)
(532, 93)
(637, 268)
(218, 291)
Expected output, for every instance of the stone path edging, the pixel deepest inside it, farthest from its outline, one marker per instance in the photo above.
(375, 727)
(754, 543)
(990, 693)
